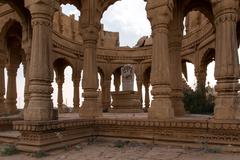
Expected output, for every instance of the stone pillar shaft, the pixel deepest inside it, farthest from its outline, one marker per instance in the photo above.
(106, 94)
(76, 97)
(176, 72)
(201, 77)
(117, 82)
(161, 107)
(227, 64)
(90, 107)
(11, 96)
(2, 88)
(40, 107)
(139, 86)
(26, 87)
(159, 14)
(147, 100)
(60, 95)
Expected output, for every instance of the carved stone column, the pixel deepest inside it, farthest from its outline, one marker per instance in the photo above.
(159, 14)
(175, 46)
(139, 86)
(40, 107)
(76, 97)
(11, 97)
(2, 88)
(60, 82)
(147, 100)
(106, 93)
(26, 74)
(90, 107)
(117, 81)
(227, 63)
(201, 74)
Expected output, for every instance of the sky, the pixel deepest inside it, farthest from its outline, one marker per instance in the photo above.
(128, 17)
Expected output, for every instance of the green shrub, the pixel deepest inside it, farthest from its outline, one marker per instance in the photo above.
(196, 102)
(39, 154)
(92, 140)
(119, 144)
(8, 150)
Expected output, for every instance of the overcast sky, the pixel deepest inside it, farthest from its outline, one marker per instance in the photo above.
(128, 17)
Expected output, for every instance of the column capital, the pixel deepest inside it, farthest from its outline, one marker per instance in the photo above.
(59, 78)
(160, 13)
(225, 10)
(90, 33)
(60, 82)
(76, 82)
(146, 83)
(45, 7)
(107, 77)
(12, 67)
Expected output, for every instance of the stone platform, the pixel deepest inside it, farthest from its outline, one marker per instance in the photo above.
(126, 102)
(6, 123)
(195, 130)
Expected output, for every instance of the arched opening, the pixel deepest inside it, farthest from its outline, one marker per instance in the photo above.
(188, 74)
(68, 87)
(81, 90)
(63, 86)
(121, 17)
(147, 88)
(70, 9)
(116, 80)
(100, 77)
(207, 68)
(238, 39)
(195, 21)
(14, 90)
(20, 87)
(198, 16)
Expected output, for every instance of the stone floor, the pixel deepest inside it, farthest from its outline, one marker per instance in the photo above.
(124, 150)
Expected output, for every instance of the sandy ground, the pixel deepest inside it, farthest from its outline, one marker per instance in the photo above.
(126, 151)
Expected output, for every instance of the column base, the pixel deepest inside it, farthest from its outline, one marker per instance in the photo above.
(106, 106)
(2, 108)
(75, 109)
(11, 107)
(177, 102)
(161, 108)
(40, 111)
(90, 108)
(226, 108)
(178, 106)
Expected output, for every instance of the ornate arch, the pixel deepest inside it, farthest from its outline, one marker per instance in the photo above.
(204, 6)
(101, 72)
(60, 64)
(7, 24)
(208, 57)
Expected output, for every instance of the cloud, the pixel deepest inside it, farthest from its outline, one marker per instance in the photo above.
(129, 18)
(70, 10)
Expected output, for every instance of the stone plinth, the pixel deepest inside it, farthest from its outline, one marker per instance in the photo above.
(48, 135)
(126, 102)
